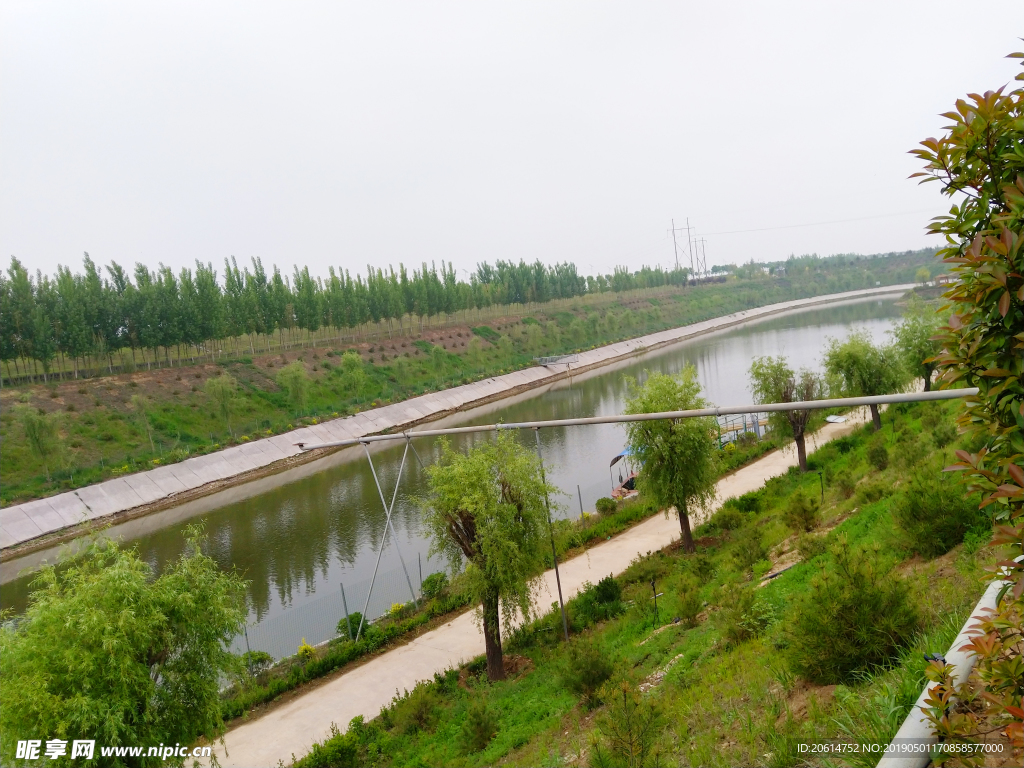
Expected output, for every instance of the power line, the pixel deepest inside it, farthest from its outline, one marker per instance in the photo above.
(823, 223)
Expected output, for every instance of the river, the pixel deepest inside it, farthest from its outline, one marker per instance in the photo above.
(299, 535)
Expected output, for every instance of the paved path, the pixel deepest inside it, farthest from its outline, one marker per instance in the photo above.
(293, 727)
(24, 522)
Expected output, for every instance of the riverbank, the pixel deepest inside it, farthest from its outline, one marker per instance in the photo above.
(43, 523)
(293, 727)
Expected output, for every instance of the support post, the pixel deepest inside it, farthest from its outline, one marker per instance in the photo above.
(579, 493)
(419, 562)
(344, 602)
(384, 537)
(551, 531)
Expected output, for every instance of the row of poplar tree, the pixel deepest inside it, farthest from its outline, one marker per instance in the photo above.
(86, 318)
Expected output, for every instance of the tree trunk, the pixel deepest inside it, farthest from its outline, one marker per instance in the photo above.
(492, 637)
(928, 381)
(876, 417)
(684, 529)
(801, 451)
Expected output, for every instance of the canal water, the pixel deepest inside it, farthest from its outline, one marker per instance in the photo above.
(300, 535)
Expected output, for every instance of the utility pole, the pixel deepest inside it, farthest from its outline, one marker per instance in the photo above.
(675, 246)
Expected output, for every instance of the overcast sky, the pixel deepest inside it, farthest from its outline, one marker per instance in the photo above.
(325, 133)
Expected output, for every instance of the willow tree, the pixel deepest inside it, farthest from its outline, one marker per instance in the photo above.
(858, 368)
(678, 458)
(914, 337)
(773, 381)
(486, 510)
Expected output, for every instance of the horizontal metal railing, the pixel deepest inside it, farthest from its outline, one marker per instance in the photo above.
(625, 418)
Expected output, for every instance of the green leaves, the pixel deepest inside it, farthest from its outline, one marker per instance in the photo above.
(107, 652)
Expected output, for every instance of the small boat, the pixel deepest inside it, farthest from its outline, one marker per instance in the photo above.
(626, 489)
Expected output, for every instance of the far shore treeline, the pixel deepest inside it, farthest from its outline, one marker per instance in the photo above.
(87, 318)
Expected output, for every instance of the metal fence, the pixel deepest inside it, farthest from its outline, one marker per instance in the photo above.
(732, 427)
(318, 620)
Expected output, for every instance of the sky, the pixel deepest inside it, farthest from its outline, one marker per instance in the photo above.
(346, 134)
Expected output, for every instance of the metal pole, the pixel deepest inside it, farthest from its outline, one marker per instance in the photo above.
(419, 562)
(384, 537)
(805, 405)
(551, 530)
(579, 493)
(821, 481)
(654, 589)
(394, 533)
(344, 602)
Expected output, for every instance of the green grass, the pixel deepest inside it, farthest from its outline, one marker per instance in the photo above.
(723, 703)
(101, 436)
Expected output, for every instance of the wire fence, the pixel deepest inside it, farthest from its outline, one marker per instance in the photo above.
(319, 620)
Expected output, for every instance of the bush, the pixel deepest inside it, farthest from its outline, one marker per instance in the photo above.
(846, 483)
(749, 548)
(353, 620)
(944, 434)
(810, 546)
(856, 615)
(878, 455)
(606, 506)
(256, 663)
(585, 670)
(416, 711)
(306, 652)
(596, 603)
(629, 728)
(801, 512)
(728, 518)
(934, 512)
(479, 727)
(750, 502)
(868, 493)
(336, 751)
(434, 585)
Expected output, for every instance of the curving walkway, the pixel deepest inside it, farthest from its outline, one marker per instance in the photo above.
(291, 728)
(22, 523)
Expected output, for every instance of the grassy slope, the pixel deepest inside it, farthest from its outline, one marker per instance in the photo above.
(103, 435)
(723, 703)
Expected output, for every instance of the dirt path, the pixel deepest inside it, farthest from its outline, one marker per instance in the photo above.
(292, 728)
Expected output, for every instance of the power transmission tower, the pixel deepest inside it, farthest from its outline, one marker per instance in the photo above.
(702, 257)
(689, 243)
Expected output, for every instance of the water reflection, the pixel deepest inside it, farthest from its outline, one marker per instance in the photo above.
(303, 536)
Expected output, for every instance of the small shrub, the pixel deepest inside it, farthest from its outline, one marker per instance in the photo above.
(944, 433)
(596, 603)
(353, 620)
(750, 502)
(846, 483)
(934, 512)
(479, 727)
(856, 615)
(606, 506)
(82, 391)
(434, 585)
(336, 751)
(700, 566)
(256, 662)
(417, 711)
(802, 512)
(728, 518)
(810, 546)
(306, 652)
(878, 455)
(868, 493)
(585, 670)
(629, 728)
(749, 548)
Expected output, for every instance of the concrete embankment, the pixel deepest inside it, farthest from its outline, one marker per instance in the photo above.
(38, 524)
